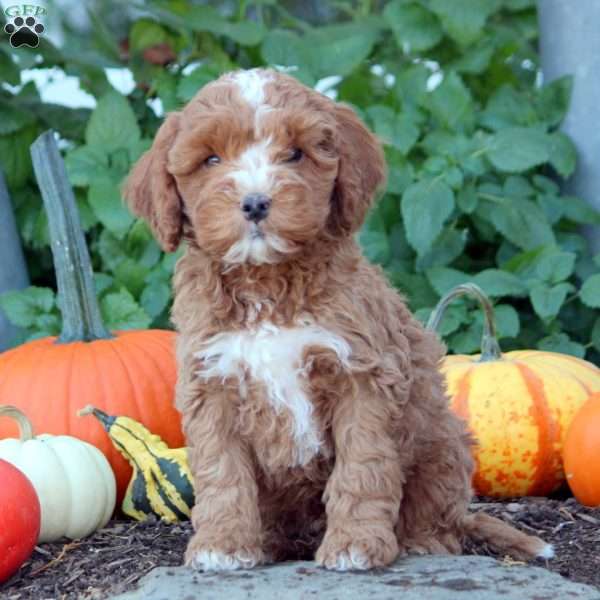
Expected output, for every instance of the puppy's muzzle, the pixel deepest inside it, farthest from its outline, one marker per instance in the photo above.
(256, 207)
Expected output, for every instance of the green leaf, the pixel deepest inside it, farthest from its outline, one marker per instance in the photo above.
(398, 130)
(400, 176)
(507, 321)
(416, 287)
(155, 298)
(411, 85)
(547, 301)
(466, 199)
(454, 316)
(517, 149)
(552, 206)
(86, 164)
(590, 291)
(207, 19)
(120, 311)
(464, 20)
(508, 107)
(524, 264)
(595, 337)
(375, 245)
(146, 33)
(466, 341)
(284, 48)
(166, 87)
(348, 46)
(15, 159)
(556, 266)
(520, 221)
(562, 343)
(545, 184)
(562, 153)
(191, 84)
(23, 307)
(113, 124)
(476, 59)
(447, 247)
(13, 118)
(425, 207)
(131, 275)
(443, 279)
(414, 27)
(580, 211)
(553, 100)
(519, 4)
(496, 283)
(518, 186)
(102, 282)
(105, 200)
(451, 103)
(9, 70)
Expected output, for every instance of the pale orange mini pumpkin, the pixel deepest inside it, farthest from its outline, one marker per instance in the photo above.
(130, 373)
(582, 453)
(518, 405)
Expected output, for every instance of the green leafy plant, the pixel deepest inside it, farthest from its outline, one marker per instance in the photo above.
(474, 152)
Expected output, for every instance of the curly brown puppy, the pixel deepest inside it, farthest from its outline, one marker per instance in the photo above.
(312, 403)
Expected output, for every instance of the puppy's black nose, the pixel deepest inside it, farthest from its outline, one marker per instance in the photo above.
(256, 207)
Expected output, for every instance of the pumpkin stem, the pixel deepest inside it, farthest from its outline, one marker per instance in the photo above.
(74, 276)
(24, 424)
(490, 349)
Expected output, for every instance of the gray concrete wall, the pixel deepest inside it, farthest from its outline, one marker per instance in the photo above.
(570, 44)
(13, 270)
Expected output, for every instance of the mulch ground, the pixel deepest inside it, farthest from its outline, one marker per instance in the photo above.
(113, 559)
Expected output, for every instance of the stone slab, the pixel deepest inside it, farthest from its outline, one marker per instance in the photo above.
(414, 578)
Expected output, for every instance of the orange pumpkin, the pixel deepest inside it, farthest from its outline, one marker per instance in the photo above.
(130, 373)
(582, 453)
(518, 405)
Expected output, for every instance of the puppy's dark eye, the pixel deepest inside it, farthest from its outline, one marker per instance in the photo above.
(295, 155)
(212, 160)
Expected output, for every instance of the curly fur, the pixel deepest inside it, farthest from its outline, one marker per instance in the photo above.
(314, 410)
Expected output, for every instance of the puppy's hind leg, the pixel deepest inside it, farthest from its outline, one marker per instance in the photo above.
(438, 489)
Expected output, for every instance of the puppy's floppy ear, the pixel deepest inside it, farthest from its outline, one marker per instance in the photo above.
(361, 171)
(150, 189)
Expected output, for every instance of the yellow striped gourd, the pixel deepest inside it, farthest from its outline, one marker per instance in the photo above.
(161, 483)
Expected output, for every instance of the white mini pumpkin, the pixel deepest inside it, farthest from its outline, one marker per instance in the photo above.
(74, 482)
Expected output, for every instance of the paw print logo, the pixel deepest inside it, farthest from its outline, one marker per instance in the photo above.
(24, 32)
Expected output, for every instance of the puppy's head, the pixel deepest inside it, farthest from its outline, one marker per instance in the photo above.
(255, 168)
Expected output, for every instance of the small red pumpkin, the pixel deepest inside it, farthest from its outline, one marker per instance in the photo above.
(131, 373)
(20, 518)
(581, 453)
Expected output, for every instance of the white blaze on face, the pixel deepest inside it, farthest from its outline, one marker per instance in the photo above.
(253, 173)
(252, 85)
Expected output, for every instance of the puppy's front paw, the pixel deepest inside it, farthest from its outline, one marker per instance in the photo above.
(216, 560)
(342, 551)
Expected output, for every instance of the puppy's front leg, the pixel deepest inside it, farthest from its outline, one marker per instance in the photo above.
(364, 491)
(226, 518)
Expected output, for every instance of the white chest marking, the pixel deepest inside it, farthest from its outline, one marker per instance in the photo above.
(273, 356)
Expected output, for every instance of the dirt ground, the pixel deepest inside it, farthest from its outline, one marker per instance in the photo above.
(113, 559)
